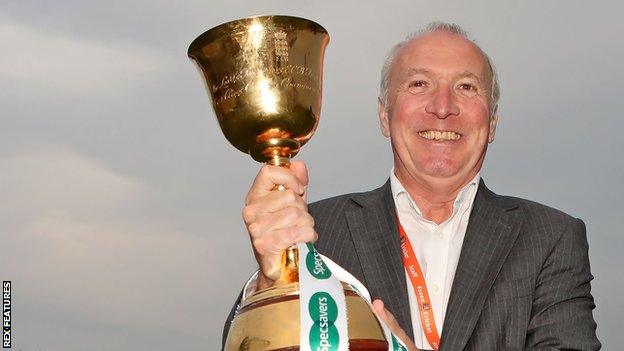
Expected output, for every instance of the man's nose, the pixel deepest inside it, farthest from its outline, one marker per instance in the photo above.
(442, 103)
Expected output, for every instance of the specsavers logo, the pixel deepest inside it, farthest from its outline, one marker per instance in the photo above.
(315, 264)
(323, 334)
(396, 345)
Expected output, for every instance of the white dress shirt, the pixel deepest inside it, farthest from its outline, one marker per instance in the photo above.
(437, 248)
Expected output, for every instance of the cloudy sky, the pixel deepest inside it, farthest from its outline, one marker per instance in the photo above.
(120, 221)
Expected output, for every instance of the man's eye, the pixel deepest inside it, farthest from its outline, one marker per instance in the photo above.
(467, 86)
(418, 84)
(467, 89)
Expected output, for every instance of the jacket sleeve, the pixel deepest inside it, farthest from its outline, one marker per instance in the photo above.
(230, 317)
(562, 302)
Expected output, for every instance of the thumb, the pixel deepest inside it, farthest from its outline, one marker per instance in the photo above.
(388, 318)
(385, 315)
(301, 172)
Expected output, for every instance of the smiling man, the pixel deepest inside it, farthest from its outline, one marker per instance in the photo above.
(438, 108)
(452, 265)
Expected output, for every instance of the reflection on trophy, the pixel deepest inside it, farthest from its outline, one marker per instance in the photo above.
(264, 75)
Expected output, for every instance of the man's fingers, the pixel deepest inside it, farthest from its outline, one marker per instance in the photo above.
(269, 176)
(388, 318)
(269, 249)
(287, 217)
(293, 235)
(276, 219)
(280, 239)
(384, 314)
(272, 202)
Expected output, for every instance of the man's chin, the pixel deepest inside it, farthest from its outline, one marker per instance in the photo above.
(442, 169)
(449, 169)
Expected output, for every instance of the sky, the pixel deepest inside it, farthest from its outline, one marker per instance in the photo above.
(120, 226)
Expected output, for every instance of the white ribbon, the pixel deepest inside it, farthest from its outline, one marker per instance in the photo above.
(322, 305)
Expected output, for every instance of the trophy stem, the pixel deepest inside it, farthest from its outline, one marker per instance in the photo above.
(290, 266)
(277, 160)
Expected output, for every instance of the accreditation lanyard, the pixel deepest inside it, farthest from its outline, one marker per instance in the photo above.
(420, 288)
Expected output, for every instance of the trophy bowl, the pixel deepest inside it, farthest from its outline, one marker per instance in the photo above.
(264, 77)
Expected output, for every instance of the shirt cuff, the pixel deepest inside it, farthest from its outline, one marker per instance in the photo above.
(251, 286)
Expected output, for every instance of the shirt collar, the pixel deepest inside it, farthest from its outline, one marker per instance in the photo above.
(465, 196)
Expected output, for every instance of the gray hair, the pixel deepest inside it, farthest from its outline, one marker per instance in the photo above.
(433, 27)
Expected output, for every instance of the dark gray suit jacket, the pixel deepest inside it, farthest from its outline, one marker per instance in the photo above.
(522, 281)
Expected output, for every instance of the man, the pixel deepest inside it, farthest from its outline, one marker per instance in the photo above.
(499, 272)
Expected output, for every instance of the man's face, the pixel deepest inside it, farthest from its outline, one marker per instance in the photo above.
(437, 114)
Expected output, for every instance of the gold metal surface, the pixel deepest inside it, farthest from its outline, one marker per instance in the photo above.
(269, 320)
(264, 77)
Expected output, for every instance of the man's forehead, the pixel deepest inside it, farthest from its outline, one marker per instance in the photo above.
(442, 40)
(430, 51)
(412, 71)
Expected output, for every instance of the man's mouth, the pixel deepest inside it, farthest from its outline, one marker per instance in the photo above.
(439, 135)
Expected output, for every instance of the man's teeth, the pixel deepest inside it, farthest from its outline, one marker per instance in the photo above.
(437, 135)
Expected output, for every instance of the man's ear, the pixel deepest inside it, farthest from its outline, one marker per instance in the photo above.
(384, 124)
(493, 124)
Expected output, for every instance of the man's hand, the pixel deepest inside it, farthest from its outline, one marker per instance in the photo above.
(392, 323)
(276, 219)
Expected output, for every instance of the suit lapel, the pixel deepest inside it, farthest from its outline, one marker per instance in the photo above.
(491, 233)
(374, 233)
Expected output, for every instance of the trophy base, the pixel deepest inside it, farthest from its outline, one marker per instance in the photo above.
(354, 345)
(269, 321)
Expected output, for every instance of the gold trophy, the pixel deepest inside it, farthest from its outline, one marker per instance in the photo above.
(264, 75)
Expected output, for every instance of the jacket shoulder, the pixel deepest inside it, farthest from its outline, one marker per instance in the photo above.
(331, 208)
(536, 211)
(541, 223)
(329, 214)
(341, 203)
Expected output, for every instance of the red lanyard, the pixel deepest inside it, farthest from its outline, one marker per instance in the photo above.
(420, 288)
